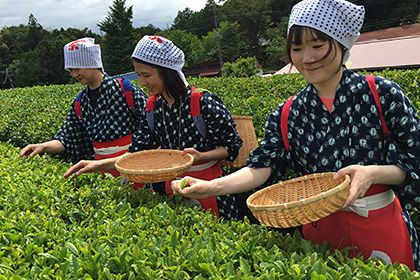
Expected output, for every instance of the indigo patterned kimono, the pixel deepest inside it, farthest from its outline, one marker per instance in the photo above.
(174, 128)
(323, 141)
(106, 117)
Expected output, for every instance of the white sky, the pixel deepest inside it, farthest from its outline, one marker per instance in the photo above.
(52, 14)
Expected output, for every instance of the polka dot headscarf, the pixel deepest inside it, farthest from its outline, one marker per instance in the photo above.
(82, 53)
(339, 19)
(160, 51)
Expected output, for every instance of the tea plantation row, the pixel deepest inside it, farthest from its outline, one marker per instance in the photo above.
(32, 115)
(95, 228)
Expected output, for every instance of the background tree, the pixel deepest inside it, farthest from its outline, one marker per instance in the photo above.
(149, 29)
(118, 41)
(254, 18)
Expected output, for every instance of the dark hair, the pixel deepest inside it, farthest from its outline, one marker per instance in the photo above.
(174, 85)
(296, 34)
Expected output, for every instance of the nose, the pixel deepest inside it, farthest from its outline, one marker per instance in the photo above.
(308, 56)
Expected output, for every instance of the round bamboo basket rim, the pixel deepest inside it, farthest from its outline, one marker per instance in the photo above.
(154, 170)
(298, 203)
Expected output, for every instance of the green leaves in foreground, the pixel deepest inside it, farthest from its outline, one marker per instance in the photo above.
(94, 228)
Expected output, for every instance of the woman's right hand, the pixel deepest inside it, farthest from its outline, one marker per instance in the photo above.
(84, 166)
(195, 188)
(32, 150)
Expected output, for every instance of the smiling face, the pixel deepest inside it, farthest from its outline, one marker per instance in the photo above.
(318, 59)
(150, 78)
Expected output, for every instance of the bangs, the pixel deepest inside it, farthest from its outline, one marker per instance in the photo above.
(296, 33)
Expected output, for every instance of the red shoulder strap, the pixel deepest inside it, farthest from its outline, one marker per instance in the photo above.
(77, 105)
(150, 103)
(77, 109)
(195, 102)
(371, 82)
(284, 120)
(128, 92)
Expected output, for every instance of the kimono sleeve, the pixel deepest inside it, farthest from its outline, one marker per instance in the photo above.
(221, 128)
(401, 116)
(271, 151)
(74, 137)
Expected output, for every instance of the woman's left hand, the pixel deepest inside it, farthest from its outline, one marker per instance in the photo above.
(198, 156)
(361, 178)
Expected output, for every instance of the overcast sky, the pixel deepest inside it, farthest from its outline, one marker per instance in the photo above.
(52, 14)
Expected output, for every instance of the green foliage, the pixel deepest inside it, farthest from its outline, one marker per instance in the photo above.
(149, 29)
(118, 41)
(32, 115)
(97, 228)
(243, 67)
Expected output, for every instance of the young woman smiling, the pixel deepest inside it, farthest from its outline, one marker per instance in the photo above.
(337, 124)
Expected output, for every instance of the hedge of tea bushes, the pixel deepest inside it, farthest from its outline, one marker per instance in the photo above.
(32, 115)
(97, 228)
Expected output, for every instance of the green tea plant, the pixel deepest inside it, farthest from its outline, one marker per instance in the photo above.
(32, 115)
(98, 228)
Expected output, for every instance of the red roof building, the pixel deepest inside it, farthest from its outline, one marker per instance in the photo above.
(396, 47)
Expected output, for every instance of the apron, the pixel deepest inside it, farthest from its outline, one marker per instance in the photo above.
(367, 236)
(112, 149)
(205, 171)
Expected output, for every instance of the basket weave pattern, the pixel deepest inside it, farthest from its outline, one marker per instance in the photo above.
(153, 166)
(246, 131)
(299, 201)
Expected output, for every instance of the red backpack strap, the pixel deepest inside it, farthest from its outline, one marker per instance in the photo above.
(127, 88)
(77, 106)
(195, 102)
(284, 121)
(371, 82)
(196, 111)
(150, 110)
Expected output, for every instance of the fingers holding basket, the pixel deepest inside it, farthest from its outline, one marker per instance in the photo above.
(360, 181)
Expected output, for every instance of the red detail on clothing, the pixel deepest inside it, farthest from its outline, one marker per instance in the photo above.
(122, 141)
(375, 189)
(158, 39)
(128, 94)
(77, 109)
(363, 235)
(210, 173)
(75, 45)
(195, 102)
(371, 82)
(328, 102)
(150, 103)
(283, 122)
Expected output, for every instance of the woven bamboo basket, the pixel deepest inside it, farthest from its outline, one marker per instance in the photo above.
(153, 165)
(246, 131)
(299, 201)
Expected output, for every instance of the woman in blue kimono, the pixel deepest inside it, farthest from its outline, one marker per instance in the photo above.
(103, 117)
(335, 124)
(181, 117)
